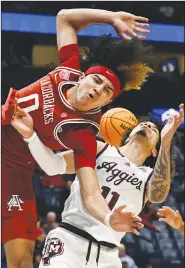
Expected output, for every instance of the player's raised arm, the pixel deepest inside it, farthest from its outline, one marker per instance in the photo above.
(71, 21)
(159, 185)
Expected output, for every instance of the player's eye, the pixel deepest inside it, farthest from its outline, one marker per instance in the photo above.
(96, 80)
(155, 130)
(107, 90)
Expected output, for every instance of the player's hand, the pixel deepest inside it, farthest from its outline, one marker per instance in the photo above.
(171, 126)
(168, 215)
(122, 221)
(23, 123)
(128, 24)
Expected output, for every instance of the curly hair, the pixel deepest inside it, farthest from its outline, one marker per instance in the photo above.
(129, 60)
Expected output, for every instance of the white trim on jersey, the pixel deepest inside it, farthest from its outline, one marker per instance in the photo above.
(71, 121)
(62, 95)
(94, 111)
(69, 69)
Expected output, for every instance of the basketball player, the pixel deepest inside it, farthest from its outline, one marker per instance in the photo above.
(65, 107)
(171, 217)
(123, 179)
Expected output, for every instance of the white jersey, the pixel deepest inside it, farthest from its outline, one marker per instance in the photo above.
(121, 182)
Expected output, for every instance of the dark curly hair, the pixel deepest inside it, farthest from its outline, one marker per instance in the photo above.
(127, 59)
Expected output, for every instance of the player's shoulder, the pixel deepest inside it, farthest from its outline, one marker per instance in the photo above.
(104, 149)
(145, 169)
(69, 68)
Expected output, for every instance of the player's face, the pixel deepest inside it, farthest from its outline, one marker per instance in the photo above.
(93, 91)
(147, 132)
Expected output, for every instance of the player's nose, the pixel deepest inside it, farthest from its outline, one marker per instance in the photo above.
(146, 125)
(98, 90)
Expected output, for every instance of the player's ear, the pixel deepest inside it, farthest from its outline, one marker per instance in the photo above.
(154, 152)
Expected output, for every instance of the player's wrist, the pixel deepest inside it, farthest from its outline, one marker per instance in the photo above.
(107, 220)
(30, 137)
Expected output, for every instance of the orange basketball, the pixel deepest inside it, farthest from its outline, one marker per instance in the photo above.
(115, 124)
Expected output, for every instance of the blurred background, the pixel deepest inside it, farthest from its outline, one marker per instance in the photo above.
(29, 51)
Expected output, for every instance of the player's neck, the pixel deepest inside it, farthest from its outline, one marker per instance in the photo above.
(71, 96)
(135, 152)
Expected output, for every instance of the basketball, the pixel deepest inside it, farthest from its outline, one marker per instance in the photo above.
(115, 124)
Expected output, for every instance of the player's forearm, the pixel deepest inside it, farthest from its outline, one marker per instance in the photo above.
(81, 18)
(96, 206)
(92, 198)
(160, 182)
(49, 162)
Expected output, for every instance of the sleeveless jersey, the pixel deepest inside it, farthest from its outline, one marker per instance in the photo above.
(53, 116)
(121, 182)
(46, 103)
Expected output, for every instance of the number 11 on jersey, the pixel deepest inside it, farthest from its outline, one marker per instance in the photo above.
(115, 196)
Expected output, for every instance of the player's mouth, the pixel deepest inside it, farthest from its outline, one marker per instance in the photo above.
(144, 131)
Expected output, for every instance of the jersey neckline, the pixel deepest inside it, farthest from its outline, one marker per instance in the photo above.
(66, 102)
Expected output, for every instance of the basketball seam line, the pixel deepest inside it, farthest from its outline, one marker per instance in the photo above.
(119, 120)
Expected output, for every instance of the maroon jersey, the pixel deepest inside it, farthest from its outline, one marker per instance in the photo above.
(57, 123)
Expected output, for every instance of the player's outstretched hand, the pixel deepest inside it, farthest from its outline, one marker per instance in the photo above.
(170, 216)
(171, 126)
(128, 24)
(122, 221)
(23, 123)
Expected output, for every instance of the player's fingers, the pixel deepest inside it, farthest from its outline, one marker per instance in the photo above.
(120, 208)
(181, 114)
(160, 213)
(132, 33)
(168, 210)
(162, 219)
(141, 37)
(124, 36)
(178, 214)
(135, 231)
(141, 25)
(181, 106)
(138, 29)
(136, 218)
(137, 36)
(139, 18)
(21, 111)
(138, 225)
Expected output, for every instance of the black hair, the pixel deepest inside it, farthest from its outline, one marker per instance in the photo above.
(119, 55)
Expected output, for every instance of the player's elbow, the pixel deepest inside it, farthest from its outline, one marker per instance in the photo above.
(61, 15)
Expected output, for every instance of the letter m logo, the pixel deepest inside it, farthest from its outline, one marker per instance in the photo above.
(53, 247)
